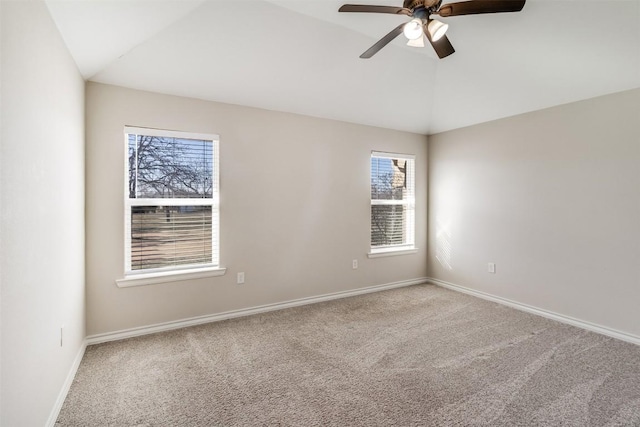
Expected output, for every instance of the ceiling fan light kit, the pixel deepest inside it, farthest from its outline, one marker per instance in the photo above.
(413, 29)
(419, 42)
(423, 25)
(437, 29)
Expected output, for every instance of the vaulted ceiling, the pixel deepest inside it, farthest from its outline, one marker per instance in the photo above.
(302, 56)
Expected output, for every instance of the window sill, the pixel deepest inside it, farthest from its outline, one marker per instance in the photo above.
(391, 252)
(168, 276)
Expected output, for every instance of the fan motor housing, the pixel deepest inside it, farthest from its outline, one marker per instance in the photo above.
(427, 4)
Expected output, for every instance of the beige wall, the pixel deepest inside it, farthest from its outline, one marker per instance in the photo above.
(294, 207)
(42, 202)
(553, 198)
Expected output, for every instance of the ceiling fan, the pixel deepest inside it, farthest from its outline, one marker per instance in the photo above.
(423, 25)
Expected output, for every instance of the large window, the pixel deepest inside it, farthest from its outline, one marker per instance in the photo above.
(392, 202)
(171, 201)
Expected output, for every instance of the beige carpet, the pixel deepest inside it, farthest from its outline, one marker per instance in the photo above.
(415, 356)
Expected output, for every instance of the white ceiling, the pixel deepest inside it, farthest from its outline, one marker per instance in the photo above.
(301, 56)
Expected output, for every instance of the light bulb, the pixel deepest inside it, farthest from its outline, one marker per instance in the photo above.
(413, 29)
(436, 29)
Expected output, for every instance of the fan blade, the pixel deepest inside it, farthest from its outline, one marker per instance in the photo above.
(474, 7)
(375, 9)
(383, 42)
(443, 46)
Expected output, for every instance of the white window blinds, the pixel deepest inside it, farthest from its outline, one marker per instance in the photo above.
(171, 200)
(392, 201)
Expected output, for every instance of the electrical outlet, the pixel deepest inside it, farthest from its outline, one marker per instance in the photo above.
(61, 334)
(354, 264)
(240, 278)
(491, 267)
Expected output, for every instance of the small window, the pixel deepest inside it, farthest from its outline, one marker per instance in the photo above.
(392, 202)
(171, 201)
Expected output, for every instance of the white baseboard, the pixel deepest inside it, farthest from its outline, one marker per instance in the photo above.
(541, 312)
(53, 416)
(167, 326)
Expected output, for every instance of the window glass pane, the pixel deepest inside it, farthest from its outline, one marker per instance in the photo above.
(167, 236)
(164, 167)
(388, 225)
(388, 178)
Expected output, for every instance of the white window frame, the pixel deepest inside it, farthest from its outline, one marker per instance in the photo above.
(408, 247)
(187, 271)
